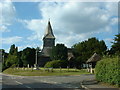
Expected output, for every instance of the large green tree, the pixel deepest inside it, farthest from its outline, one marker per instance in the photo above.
(11, 60)
(84, 50)
(12, 56)
(116, 45)
(28, 56)
(20, 63)
(59, 52)
(13, 50)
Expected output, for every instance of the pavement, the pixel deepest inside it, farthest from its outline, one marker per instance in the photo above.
(95, 85)
(12, 82)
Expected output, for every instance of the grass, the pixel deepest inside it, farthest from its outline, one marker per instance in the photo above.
(42, 72)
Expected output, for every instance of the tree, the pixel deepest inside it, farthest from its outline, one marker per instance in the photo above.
(4, 56)
(59, 52)
(116, 45)
(20, 63)
(84, 50)
(28, 56)
(13, 50)
(12, 56)
(12, 59)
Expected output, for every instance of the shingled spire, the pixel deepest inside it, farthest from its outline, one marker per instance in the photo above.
(49, 32)
(49, 38)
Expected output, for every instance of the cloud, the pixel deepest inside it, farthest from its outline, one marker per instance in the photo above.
(33, 45)
(37, 26)
(7, 11)
(10, 40)
(73, 21)
(3, 28)
(108, 39)
(114, 21)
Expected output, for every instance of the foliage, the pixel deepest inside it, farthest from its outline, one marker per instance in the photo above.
(116, 45)
(59, 52)
(56, 64)
(12, 56)
(28, 56)
(84, 50)
(22, 58)
(108, 70)
(13, 50)
(20, 62)
(12, 59)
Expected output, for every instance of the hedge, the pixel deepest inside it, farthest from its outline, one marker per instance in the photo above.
(108, 70)
(56, 64)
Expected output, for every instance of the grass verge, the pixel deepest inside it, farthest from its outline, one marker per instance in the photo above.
(42, 72)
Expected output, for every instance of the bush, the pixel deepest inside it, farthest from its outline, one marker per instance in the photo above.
(108, 70)
(56, 64)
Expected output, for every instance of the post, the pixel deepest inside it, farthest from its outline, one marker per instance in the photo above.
(68, 68)
(91, 68)
(60, 69)
(75, 69)
(31, 68)
(28, 66)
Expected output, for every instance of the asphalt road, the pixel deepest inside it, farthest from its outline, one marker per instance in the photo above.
(0, 81)
(10, 82)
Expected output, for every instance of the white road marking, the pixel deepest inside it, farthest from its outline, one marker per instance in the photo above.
(19, 82)
(49, 82)
(22, 84)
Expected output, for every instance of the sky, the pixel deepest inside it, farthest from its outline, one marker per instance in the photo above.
(24, 23)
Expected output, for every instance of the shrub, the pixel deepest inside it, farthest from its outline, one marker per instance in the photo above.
(56, 64)
(108, 70)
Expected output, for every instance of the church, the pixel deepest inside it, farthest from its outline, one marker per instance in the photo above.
(48, 43)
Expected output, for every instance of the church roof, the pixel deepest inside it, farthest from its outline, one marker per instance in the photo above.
(49, 32)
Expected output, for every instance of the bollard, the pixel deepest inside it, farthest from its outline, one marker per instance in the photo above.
(31, 68)
(75, 69)
(68, 68)
(60, 69)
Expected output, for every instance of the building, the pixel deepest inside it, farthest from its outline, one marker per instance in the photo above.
(48, 40)
(93, 60)
(48, 43)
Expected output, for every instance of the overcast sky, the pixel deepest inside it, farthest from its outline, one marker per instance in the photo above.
(24, 23)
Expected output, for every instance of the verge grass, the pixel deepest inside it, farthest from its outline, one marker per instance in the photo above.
(44, 72)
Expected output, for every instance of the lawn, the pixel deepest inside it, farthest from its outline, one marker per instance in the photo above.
(44, 72)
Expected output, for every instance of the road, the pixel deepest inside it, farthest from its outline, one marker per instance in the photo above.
(42, 82)
(0, 81)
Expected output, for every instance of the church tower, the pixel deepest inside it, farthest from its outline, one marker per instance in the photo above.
(48, 40)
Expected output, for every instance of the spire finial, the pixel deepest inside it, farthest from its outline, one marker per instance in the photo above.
(49, 19)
